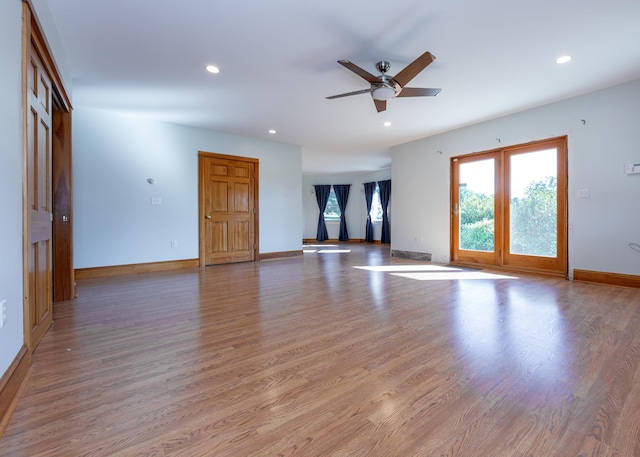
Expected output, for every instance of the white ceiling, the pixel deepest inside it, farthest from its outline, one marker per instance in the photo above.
(278, 63)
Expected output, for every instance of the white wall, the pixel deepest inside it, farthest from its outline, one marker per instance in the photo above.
(356, 211)
(601, 227)
(115, 223)
(11, 335)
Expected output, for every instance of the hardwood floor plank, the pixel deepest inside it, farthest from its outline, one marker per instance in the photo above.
(343, 353)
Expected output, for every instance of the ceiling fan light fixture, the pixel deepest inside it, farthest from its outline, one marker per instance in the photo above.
(383, 93)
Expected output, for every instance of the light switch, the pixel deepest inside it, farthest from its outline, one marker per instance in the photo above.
(583, 193)
(156, 201)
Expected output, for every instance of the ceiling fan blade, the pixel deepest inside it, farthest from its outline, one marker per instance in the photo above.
(418, 92)
(381, 105)
(415, 67)
(363, 91)
(359, 71)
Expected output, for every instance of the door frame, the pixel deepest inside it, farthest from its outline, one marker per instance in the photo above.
(202, 155)
(63, 282)
(500, 259)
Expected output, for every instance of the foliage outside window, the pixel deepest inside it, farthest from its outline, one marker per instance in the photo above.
(534, 219)
(534, 214)
(476, 220)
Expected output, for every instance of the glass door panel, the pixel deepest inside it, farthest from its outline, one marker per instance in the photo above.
(476, 205)
(533, 202)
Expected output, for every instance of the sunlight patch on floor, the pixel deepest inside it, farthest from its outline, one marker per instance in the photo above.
(396, 268)
(434, 272)
(323, 249)
(454, 275)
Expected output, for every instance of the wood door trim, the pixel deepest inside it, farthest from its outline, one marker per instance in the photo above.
(202, 155)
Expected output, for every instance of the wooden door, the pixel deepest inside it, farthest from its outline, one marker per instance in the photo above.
(61, 180)
(39, 298)
(228, 209)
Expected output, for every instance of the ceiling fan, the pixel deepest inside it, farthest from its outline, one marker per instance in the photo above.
(385, 87)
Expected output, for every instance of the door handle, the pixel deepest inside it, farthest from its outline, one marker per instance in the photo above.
(207, 217)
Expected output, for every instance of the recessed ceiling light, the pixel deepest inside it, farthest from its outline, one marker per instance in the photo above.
(387, 124)
(273, 132)
(563, 59)
(213, 69)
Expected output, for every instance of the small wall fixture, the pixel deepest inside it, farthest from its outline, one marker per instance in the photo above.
(151, 181)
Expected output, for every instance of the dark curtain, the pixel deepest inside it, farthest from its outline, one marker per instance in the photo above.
(322, 197)
(342, 195)
(369, 190)
(385, 195)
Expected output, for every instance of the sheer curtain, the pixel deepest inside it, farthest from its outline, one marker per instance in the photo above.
(322, 197)
(385, 195)
(342, 195)
(369, 190)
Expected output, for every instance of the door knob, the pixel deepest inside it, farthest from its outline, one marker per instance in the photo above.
(207, 217)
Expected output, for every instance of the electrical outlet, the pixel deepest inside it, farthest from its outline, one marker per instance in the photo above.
(174, 243)
(3, 313)
(583, 193)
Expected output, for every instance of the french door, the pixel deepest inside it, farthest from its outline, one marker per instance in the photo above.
(509, 207)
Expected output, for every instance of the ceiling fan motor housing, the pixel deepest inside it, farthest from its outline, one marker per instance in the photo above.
(383, 66)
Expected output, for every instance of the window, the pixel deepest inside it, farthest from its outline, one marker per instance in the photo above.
(332, 211)
(376, 207)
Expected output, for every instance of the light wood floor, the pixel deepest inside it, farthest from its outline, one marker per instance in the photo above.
(335, 354)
